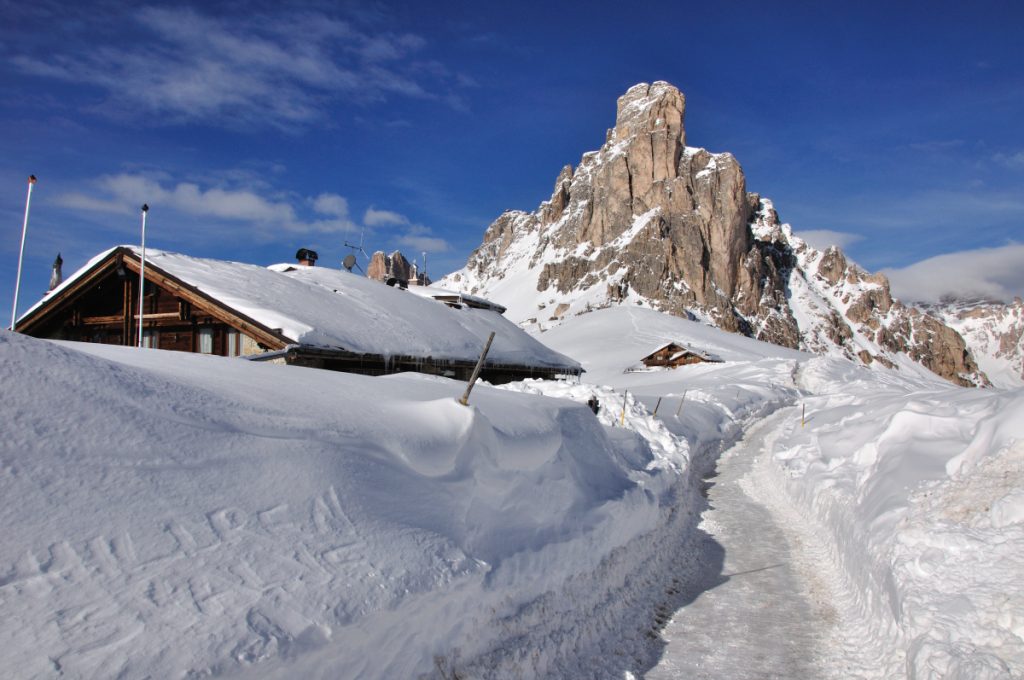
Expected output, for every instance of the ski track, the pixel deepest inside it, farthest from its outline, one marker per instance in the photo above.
(760, 616)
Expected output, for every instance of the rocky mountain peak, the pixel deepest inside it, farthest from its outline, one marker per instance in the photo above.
(650, 109)
(647, 220)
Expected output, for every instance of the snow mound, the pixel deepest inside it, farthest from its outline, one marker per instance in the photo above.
(173, 515)
(919, 485)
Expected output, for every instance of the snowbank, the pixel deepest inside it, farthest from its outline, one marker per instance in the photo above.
(915, 485)
(919, 486)
(170, 514)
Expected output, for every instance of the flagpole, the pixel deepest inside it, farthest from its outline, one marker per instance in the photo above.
(21, 253)
(142, 270)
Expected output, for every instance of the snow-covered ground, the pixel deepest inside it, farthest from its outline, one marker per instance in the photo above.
(920, 488)
(911, 490)
(178, 515)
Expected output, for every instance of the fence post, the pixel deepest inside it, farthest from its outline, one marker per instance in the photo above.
(681, 401)
(476, 371)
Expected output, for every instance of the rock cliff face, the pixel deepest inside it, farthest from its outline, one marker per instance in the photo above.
(648, 220)
(394, 266)
(995, 333)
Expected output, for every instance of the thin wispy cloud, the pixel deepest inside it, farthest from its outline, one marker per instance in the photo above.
(255, 211)
(937, 146)
(1014, 161)
(377, 218)
(420, 238)
(414, 236)
(122, 194)
(279, 71)
(995, 273)
(823, 238)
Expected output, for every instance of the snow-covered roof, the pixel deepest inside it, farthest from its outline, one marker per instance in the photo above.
(333, 309)
(465, 298)
(685, 349)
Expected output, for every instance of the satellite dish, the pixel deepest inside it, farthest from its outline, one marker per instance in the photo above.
(349, 261)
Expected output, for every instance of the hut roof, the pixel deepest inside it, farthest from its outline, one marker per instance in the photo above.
(681, 349)
(333, 309)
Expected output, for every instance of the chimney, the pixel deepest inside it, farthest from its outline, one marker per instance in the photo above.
(306, 257)
(55, 275)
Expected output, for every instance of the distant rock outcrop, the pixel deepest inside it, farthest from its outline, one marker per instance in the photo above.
(648, 220)
(395, 267)
(993, 330)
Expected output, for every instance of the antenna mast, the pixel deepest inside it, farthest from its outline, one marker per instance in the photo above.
(21, 253)
(142, 270)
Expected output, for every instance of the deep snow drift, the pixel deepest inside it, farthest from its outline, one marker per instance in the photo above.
(915, 487)
(170, 514)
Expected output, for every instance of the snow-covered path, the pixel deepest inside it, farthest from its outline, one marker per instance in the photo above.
(754, 617)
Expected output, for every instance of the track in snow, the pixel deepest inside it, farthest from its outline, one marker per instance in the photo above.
(755, 617)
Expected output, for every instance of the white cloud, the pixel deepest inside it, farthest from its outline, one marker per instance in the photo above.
(1010, 160)
(823, 238)
(331, 204)
(416, 237)
(420, 238)
(986, 272)
(121, 194)
(376, 218)
(429, 244)
(255, 70)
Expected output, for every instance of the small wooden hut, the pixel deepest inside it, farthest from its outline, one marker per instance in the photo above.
(675, 354)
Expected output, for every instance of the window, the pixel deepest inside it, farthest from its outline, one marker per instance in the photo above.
(150, 339)
(234, 343)
(206, 340)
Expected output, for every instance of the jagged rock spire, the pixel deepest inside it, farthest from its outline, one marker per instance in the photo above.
(646, 219)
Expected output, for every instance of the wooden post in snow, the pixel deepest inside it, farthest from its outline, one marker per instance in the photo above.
(681, 401)
(803, 414)
(656, 407)
(476, 371)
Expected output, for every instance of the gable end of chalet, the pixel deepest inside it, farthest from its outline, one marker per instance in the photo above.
(101, 305)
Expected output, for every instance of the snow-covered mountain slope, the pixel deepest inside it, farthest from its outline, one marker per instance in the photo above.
(648, 220)
(995, 333)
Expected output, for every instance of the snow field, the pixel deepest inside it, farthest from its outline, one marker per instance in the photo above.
(184, 515)
(918, 488)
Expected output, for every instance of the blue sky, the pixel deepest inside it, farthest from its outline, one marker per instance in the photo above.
(253, 130)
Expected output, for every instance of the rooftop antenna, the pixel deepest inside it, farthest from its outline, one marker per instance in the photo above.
(357, 248)
(21, 253)
(142, 270)
(349, 262)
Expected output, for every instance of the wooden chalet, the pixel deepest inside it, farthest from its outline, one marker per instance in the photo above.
(675, 354)
(101, 304)
(294, 314)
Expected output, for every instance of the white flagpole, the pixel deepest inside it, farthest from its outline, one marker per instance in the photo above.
(21, 253)
(142, 270)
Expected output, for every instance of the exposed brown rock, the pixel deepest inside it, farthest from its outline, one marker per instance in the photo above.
(676, 227)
